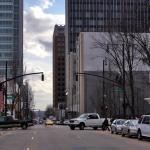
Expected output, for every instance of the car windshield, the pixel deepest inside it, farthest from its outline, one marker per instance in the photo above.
(120, 122)
(83, 116)
(134, 122)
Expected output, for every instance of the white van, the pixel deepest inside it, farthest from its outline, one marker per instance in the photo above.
(143, 127)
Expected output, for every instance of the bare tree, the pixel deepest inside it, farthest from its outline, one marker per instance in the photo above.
(114, 46)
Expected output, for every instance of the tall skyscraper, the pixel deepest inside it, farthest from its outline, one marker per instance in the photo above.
(11, 37)
(59, 66)
(100, 16)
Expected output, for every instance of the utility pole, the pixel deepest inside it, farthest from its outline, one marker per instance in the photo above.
(103, 87)
(6, 90)
(124, 98)
(72, 103)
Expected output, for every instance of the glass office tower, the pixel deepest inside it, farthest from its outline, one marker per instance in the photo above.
(11, 37)
(100, 16)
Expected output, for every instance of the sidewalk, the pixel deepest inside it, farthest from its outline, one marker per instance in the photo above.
(6, 131)
(2, 132)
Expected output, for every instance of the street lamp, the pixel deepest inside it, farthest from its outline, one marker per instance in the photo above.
(104, 63)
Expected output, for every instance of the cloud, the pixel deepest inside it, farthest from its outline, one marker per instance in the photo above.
(38, 33)
(38, 30)
(45, 4)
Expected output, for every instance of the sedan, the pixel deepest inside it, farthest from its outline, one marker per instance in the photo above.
(116, 126)
(49, 122)
(129, 128)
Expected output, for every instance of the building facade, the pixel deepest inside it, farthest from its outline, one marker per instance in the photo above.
(59, 67)
(100, 16)
(11, 37)
(93, 93)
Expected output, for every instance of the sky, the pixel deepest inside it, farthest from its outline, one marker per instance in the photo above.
(40, 16)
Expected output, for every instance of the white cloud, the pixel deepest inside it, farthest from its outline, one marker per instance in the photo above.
(45, 4)
(39, 26)
(38, 32)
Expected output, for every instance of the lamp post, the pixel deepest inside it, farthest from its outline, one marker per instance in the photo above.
(103, 103)
(6, 90)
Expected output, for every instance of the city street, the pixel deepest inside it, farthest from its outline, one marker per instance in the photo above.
(62, 138)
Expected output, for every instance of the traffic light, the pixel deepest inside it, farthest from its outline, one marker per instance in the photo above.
(42, 77)
(76, 77)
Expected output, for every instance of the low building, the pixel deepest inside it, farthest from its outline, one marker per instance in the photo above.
(93, 94)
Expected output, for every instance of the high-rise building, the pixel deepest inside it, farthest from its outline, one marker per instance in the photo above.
(11, 37)
(59, 66)
(100, 16)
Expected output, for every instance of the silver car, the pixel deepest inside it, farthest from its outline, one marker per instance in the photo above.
(116, 126)
(129, 128)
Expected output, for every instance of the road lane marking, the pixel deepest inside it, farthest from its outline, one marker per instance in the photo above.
(34, 132)
(28, 149)
(32, 138)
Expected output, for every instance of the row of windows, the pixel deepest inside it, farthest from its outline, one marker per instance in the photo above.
(5, 39)
(6, 15)
(6, 7)
(9, 71)
(6, 55)
(5, 30)
(6, 23)
(5, 47)
(6, 0)
(119, 2)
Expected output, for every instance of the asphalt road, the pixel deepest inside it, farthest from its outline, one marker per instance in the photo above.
(62, 138)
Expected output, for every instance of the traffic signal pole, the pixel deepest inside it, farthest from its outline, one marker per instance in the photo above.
(6, 90)
(6, 80)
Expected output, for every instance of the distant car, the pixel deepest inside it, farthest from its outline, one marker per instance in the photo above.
(116, 126)
(49, 122)
(66, 122)
(129, 128)
(144, 127)
(40, 121)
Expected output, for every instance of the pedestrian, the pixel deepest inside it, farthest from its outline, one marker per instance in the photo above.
(105, 125)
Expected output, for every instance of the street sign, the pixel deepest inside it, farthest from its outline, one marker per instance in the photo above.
(10, 96)
(118, 90)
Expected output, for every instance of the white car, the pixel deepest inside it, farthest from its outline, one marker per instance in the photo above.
(130, 128)
(116, 126)
(86, 120)
(144, 127)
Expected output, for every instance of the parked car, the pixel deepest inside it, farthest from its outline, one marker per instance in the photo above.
(10, 122)
(49, 122)
(117, 125)
(144, 127)
(66, 122)
(86, 120)
(129, 128)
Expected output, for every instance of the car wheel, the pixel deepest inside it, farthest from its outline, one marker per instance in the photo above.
(95, 128)
(24, 126)
(81, 126)
(129, 135)
(116, 131)
(139, 135)
(111, 131)
(72, 127)
(122, 134)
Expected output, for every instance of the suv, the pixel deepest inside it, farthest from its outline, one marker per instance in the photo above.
(144, 127)
(86, 120)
